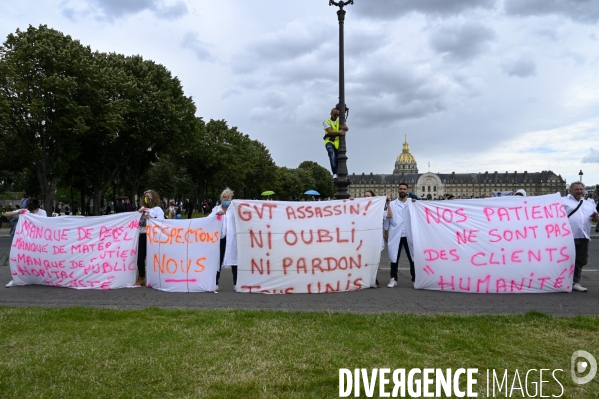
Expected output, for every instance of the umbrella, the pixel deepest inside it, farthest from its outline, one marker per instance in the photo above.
(311, 192)
(267, 193)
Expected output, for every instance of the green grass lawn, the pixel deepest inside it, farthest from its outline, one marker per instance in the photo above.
(154, 353)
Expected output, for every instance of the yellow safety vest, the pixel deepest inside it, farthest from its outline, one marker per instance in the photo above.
(335, 126)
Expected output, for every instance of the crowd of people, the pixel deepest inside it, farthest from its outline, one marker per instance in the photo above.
(396, 221)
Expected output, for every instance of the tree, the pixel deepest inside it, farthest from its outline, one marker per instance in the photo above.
(86, 122)
(160, 119)
(42, 73)
(100, 145)
(213, 156)
(258, 167)
(289, 185)
(137, 110)
(322, 178)
(169, 179)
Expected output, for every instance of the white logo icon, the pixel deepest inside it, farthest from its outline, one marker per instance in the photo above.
(581, 366)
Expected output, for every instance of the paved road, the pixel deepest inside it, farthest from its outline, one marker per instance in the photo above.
(402, 299)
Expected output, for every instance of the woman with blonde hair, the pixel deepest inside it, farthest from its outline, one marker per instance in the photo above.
(150, 208)
(228, 239)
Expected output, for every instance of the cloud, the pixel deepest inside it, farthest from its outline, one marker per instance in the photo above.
(540, 150)
(274, 99)
(592, 157)
(548, 33)
(70, 13)
(361, 42)
(462, 42)
(392, 9)
(576, 57)
(172, 11)
(271, 106)
(118, 8)
(586, 11)
(382, 87)
(395, 91)
(304, 52)
(115, 9)
(230, 93)
(191, 42)
(296, 40)
(522, 67)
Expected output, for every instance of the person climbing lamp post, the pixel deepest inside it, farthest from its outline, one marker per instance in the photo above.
(342, 181)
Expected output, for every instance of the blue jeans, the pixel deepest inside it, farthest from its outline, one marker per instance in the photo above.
(13, 225)
(330, 147)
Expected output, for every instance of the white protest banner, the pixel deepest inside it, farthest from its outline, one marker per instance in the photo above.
(75, 252)
(183, 255)
(495, 245)
(308, 247)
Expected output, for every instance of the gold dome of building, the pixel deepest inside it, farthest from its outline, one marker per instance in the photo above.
(405, 162)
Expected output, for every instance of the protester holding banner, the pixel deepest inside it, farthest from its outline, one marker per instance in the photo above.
(228, 239)
(396, 234)
(33, 207)
(150, 209)
(580, 213)
(368, 194)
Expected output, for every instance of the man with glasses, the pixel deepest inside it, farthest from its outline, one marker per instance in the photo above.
(332, 130)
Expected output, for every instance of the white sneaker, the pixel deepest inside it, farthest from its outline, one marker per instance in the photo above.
(578, 287)
(216, 287)
(10, 284)
(334, 176)
(392, 283)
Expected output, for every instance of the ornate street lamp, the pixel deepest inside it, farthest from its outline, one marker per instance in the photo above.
(342, 181)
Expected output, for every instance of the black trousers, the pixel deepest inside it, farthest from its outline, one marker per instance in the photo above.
(142, 249)
(582, 256)
(403, 243)
(223, 246)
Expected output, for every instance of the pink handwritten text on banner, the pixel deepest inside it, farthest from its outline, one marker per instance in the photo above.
(494, 245)
(75, 252)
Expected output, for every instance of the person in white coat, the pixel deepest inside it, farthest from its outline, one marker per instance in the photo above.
(228, 235)
(580, 214)
(150, 208)
(33, 207)
(369, 194)
(397, 233)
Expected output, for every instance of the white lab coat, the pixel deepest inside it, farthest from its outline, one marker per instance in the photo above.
(580, 222)
(385, 227)
(397, 225)
(230, 258)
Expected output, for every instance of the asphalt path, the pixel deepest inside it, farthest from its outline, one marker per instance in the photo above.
(401, 299)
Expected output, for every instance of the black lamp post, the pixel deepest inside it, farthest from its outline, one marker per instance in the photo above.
(342, 181)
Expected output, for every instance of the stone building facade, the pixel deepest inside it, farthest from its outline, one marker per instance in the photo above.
(460, 185)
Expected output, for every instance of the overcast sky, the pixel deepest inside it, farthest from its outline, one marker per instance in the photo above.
(477, 85)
